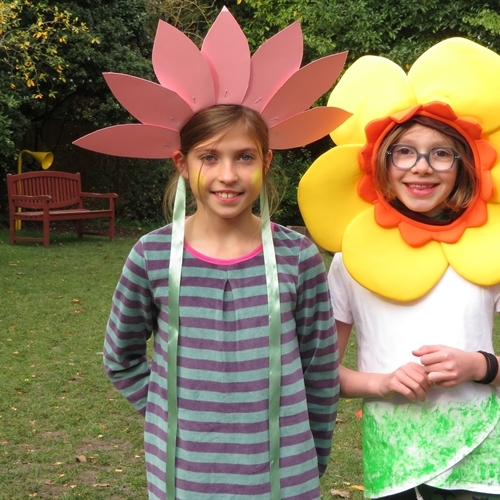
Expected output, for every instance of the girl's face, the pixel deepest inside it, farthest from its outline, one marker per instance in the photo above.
(225, 173)
(423, 189)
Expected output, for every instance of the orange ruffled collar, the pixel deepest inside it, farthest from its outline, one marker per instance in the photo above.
(413, 232)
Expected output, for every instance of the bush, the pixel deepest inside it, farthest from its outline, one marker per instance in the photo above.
(289, 166)
(140, 185)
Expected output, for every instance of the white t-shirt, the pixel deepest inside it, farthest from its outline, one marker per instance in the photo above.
(447, 440)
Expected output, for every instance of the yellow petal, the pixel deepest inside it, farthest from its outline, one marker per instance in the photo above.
(373, 87)
(380, 260)
(464, 75)
(476, 257)
(328, 197)
(495, 174)
(495, 171)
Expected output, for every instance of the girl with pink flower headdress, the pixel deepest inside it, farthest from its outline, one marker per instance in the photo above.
(241, 393)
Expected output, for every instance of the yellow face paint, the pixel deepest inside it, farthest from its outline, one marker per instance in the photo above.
(257, 178)
(200, 182)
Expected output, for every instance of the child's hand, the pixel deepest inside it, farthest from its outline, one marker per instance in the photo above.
(448, 367)
(410, 380)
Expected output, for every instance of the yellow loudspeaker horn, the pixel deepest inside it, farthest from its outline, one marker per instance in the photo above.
(45, 159)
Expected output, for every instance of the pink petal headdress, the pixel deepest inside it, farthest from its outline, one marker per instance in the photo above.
(222, 72)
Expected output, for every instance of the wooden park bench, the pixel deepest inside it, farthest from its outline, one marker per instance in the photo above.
(53, 196)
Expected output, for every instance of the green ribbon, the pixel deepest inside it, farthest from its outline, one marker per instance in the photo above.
(273, 299)
(174, 285)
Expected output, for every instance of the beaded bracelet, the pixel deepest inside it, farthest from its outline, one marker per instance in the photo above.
(491, 368)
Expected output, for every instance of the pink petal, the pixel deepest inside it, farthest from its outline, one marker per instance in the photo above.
(304, 88)
(149, 102)
(179, 66)
(132, 141)
(306, 127)
(226, 50)
(274, 62)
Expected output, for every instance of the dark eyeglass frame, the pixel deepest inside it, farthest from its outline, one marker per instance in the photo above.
(456, 157)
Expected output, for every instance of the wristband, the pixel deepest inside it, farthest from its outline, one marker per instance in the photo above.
(491, 368)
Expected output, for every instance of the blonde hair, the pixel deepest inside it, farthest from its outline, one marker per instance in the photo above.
(217, 120)
(467, 181)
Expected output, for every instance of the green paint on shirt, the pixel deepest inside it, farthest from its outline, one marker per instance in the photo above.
(406, 445)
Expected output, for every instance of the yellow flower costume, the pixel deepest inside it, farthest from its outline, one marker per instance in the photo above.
(405, 283)
(456, 81)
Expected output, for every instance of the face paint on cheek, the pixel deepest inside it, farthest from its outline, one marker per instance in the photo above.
(199, 182)
(256, 178)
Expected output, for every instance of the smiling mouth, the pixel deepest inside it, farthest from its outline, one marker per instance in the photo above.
(226, 195)
(420, 186)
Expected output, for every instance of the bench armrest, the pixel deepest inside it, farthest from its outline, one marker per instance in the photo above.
(25, 201)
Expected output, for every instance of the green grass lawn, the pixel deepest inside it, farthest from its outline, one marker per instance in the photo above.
(65, 433)
(56, 403)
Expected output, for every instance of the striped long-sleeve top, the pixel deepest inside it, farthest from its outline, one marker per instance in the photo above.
(223, 367)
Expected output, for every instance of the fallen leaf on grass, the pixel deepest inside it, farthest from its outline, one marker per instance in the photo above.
(340, 493)
(340, 421)
(357, 487)
(48, 482)
(81, 458)
(76, 301)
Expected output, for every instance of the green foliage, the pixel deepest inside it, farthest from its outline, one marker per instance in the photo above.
(399, 30)
(190, 17)
(125, 47)
(31, 36)
(12, 124)
(487, 19)
(143, 185)
(288, 167)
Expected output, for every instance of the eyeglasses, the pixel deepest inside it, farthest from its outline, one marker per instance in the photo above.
(406, 157)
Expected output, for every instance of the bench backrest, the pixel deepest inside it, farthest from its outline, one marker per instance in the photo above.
(64, 188)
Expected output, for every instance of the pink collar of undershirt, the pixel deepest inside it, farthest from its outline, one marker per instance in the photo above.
(225, 262)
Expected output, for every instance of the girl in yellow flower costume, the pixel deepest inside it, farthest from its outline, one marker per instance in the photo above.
(410, 202)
